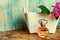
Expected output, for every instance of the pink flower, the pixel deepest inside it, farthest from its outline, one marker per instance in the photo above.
(56, 10)
(58, 4)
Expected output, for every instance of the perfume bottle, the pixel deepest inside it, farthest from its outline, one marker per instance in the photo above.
(42, 30)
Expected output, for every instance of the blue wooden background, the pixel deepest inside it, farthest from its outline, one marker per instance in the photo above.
(12, 15)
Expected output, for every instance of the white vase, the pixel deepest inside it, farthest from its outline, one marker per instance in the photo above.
(32, 22)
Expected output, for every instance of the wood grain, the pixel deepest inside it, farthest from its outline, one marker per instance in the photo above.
(25, 35)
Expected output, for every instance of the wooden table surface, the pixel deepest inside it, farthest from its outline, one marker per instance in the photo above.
(24, 35)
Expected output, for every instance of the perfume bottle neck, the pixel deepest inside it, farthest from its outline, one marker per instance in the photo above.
(42, 25)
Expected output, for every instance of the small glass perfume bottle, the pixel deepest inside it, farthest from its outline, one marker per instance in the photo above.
(42, 30)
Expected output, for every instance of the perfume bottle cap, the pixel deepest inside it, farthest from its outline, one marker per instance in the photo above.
(43, 22)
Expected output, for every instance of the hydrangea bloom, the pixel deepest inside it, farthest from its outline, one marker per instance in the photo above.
(56, 10)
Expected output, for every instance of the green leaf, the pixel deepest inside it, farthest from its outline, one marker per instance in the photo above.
(44, 9)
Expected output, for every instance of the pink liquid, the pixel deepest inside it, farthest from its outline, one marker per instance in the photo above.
(42, 32)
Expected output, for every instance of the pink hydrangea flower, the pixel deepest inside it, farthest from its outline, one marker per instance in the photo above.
(56, 10)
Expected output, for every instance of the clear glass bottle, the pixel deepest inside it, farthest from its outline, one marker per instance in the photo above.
(42, 30)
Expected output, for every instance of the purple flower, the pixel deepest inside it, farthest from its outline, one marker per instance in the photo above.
(56, 10)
